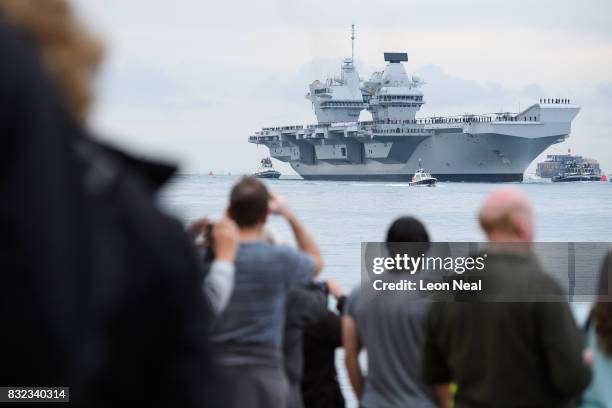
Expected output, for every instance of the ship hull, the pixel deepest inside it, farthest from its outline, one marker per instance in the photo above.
(268, 174)
(448, 157)
(428, 182)
(572, 179)
(489, 150)
(474, 178)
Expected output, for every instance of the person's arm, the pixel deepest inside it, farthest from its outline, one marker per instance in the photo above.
(304, 241)
(435, 370)
(334, 289)
(340, 304)
(197, 228)
(219, 283)
(330, 327)
(563, 347)
(352, 347)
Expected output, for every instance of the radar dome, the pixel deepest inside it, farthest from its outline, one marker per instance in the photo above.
(417, 79)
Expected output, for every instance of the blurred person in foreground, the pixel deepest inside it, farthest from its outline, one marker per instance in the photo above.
(100, 290)
(320, 386)
(599, 340)
(247, 336)
(508, 354)
(390, 326)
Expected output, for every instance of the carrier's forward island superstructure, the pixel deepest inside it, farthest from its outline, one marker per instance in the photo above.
(479, 147)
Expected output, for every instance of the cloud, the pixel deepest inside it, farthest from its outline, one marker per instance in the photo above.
(145, 85)
(247, 17)
(604, 93)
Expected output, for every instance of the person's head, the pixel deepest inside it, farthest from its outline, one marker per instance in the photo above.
(507, 216)
(602, 313)
(407, 229)
(70, 53)
(248, 205)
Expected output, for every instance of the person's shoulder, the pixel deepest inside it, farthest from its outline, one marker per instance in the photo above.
(288, 253)
(113, 184)
(286, 249)
(354, 294)
(524, 272)
(262, 248)
(544, 283)
(353, 301)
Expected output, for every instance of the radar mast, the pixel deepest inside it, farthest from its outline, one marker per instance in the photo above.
(353, 44)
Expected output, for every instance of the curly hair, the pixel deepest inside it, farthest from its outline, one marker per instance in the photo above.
(602, 312)
(69, 52)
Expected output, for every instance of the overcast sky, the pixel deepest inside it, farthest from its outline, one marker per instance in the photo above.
(190, 80)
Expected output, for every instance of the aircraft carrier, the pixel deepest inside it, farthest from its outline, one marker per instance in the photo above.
(495, 147)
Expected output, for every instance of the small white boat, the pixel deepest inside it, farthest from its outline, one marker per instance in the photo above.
(266, 170)
(423, 178)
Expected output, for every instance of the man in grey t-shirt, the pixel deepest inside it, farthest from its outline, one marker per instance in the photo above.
(247, 336)
(391, 328)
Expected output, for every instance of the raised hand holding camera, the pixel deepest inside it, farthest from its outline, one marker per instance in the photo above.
(225, 238)
(280, 206)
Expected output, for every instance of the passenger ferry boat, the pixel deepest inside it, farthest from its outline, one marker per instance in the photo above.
(266, 170)
(574, 171)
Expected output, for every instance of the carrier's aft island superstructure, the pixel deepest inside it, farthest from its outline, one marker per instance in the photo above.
(486, 147)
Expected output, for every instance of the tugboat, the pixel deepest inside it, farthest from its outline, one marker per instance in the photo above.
(423, 178)
(574, 171)
(266, 170)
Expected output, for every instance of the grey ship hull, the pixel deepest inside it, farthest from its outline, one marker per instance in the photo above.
(474, 178)
(448, 157)
(487, 150)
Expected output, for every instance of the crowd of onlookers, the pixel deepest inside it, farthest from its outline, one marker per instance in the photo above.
(420, 353)
(104, 293)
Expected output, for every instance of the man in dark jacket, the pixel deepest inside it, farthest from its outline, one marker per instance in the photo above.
(306, 304)
(320, 387)
(508, 353)
(100, 290)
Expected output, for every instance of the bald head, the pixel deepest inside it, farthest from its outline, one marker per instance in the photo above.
(507, 216)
